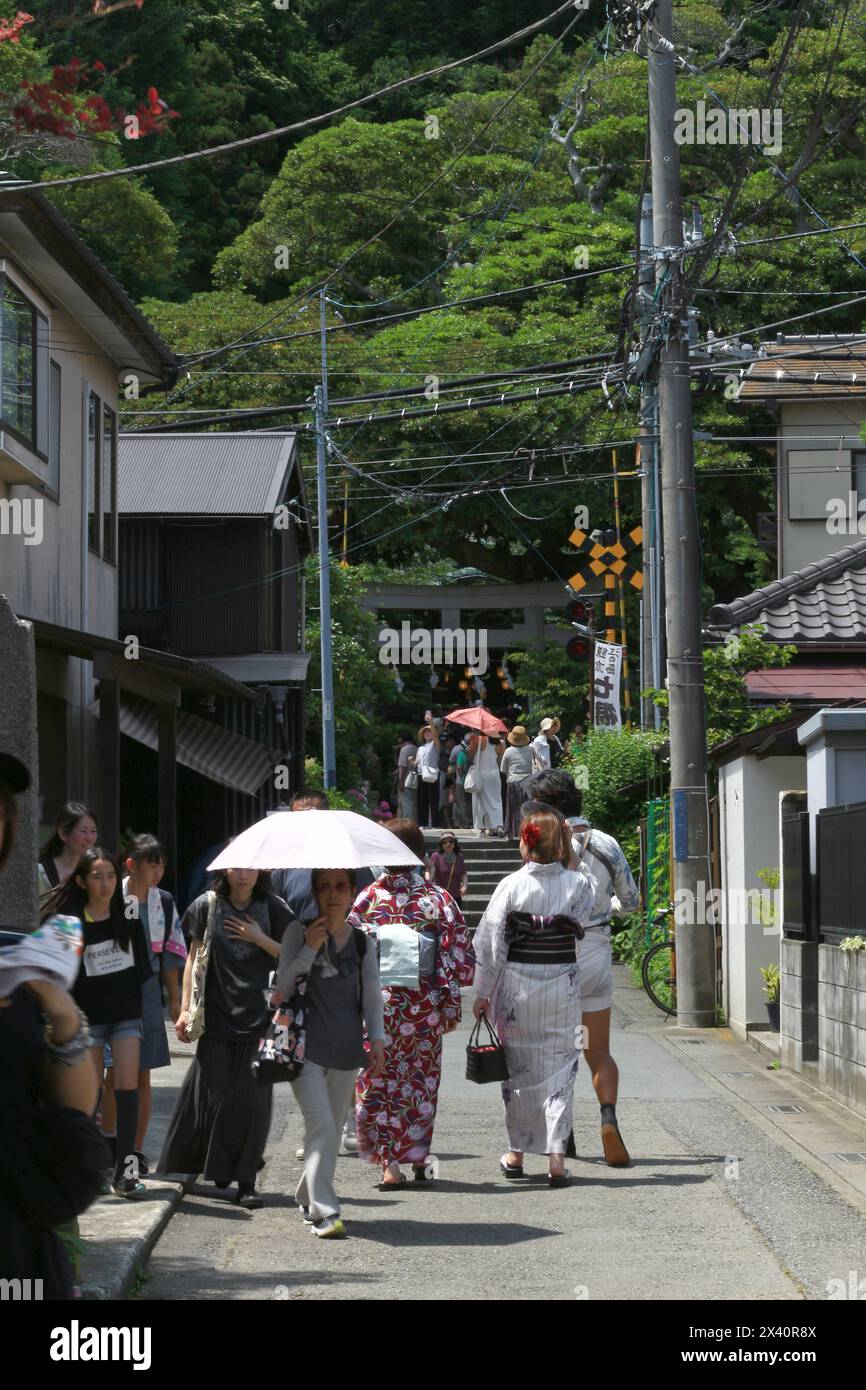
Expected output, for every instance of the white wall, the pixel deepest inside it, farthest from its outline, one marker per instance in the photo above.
(749, 804)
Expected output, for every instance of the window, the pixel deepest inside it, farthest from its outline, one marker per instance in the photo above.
(94, 506)
(54, 429)
(23, 368)
(858, 466)
(109, 484)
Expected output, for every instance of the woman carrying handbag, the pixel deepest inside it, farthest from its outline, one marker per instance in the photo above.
(342, 996)
(220, 1123)
(526, 977)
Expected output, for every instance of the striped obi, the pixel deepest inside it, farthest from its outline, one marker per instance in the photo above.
(534, 939)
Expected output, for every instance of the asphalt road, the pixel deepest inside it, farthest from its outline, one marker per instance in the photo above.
(714, 1206)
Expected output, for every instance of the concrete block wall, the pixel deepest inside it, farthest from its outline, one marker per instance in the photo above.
(799, 1004)
(842, 1025)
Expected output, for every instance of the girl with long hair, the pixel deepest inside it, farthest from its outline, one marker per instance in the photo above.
(223, 1113)
(109, 991)
(74, 832)
(145, 863)
(527, 983)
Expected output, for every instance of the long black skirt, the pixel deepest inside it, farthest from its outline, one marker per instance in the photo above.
(222, 1117)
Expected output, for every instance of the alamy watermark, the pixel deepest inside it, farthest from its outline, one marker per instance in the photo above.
(736, 126)
(753, 907)
(423, 646)
(846, 516)
(22, 516)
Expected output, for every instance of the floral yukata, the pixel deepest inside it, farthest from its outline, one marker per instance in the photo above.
(395, 1112)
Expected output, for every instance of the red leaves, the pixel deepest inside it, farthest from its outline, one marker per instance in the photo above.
(49, 107)
(11, 28)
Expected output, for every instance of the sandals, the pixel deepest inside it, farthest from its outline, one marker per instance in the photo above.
(384, 1186)
(508, 1170)
(560, 1180)
(615, 1151)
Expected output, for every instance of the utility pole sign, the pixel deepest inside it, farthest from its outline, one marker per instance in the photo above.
(606, 671)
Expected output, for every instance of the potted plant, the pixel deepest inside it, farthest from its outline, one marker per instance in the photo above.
(772, 984)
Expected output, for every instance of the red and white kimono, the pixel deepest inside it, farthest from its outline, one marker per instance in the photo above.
(395, 1112)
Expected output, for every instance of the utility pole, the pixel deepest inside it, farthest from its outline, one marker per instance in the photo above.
(329, 752)
(696, 949)
(652, 608)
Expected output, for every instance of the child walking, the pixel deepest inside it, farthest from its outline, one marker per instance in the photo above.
(343, 996)
(155, 908)
(109, 991)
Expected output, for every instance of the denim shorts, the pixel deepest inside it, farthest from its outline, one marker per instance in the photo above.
(102, 1033)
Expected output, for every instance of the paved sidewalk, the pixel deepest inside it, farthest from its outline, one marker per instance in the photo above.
(726, 1199)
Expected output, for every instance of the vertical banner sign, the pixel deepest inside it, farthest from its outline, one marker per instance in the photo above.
(605, 686)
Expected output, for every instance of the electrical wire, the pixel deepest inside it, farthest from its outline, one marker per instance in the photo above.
(248, 141)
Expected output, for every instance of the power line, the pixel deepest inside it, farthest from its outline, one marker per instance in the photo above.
(250, 140)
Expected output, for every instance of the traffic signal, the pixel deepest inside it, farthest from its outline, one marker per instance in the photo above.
(580, 617)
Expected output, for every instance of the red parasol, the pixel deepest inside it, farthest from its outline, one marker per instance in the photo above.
(480, 719)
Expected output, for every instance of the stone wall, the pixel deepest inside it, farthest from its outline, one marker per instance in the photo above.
(842, 1025)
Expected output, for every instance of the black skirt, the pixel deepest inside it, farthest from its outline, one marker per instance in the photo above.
(223, 1113)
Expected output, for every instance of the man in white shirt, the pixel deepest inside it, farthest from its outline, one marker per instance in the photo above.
(600, 857)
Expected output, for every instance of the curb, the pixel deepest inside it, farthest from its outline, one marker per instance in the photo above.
(768, 1044)
(120, 1236)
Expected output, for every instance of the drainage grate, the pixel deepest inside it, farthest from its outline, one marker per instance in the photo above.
(850, 1158)
(693, 1042)
(738, 1073)
(787, 1109)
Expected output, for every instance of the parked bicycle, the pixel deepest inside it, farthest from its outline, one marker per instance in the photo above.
(659, 967)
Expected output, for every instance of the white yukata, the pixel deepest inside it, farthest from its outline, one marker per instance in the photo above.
(617, 893)
(535, 1008)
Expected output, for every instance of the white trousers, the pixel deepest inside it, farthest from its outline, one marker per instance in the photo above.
(324, 1096)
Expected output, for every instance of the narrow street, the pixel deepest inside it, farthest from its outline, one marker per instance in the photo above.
(726, 1198)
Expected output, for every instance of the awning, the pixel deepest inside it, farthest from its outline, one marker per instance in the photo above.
(271, 668)
(230, 759)
(183, 672)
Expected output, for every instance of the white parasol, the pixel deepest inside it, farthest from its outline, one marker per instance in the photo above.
(314, 840)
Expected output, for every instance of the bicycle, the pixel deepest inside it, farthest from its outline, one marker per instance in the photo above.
(659, 967)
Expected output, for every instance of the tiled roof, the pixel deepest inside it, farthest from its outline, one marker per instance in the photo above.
(824, 602)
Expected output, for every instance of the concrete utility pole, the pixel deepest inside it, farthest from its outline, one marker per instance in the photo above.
(652, 608)
(329, 752)
(696, 950)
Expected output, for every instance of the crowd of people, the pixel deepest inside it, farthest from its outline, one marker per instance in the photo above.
(447, 776)
(77, 1060)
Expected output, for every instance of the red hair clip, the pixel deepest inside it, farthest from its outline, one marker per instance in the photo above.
(531, 834)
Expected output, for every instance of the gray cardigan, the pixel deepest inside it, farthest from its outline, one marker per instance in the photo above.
(296, 958)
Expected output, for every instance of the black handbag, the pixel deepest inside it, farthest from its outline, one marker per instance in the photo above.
(280, 1055)
(485, 1061)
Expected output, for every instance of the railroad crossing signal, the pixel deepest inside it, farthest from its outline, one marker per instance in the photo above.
(609, 560)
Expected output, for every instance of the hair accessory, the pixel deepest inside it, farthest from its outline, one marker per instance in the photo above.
(531, 834)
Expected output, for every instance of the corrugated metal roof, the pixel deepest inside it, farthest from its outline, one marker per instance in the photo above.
(807, 367)
(824, 602)
(205, 474)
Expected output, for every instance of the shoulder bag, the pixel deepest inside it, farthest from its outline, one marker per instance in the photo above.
(411, 781)
(195, 1024)
(470, 781)
(485, 1061)
(282, 1049)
